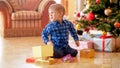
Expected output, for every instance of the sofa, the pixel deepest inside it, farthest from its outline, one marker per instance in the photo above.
(21, 18)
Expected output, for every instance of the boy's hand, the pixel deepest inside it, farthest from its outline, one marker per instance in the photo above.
(77, 43)
(49, 43)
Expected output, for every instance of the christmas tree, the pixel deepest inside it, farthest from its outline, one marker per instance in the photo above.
(101, 14)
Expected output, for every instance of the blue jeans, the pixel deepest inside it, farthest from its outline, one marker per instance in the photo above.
(59, 53)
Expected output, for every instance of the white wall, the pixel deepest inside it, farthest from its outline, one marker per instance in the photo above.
(58, 1)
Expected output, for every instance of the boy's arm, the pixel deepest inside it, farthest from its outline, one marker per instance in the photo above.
(46, 38)
(74, 34)
(45, 34)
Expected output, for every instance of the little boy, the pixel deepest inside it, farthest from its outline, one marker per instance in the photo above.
(58, 31)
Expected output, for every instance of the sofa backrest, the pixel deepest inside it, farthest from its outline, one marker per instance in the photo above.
(18, 5)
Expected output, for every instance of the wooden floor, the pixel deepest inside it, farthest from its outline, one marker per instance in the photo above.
(14, 51)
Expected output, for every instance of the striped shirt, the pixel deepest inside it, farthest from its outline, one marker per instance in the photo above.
(59, 33)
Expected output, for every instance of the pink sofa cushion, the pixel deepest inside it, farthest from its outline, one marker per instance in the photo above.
(26, 15)
(15, 4)
(31, 4)
(24, 4)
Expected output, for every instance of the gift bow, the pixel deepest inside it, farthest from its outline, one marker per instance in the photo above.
(104, 36)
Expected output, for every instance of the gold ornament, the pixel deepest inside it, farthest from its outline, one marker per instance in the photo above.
(104, 32)
(111, 1)
(107, 11)
(88, 2)
(78, 26)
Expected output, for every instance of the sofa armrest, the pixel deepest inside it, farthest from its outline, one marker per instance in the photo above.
(44, 4)
(7, 4)
(5, 15)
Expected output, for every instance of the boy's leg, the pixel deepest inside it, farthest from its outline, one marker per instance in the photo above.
(71, 51)
(58, 53)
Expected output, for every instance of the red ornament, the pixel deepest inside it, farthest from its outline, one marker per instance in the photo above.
(78, 14)
(90, 16)
(117, 24)
(87, 29)
(98, 1)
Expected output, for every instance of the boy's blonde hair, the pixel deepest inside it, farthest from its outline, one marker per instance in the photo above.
(57, 7)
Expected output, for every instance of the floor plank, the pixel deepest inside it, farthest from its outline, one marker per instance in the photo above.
(14, 51)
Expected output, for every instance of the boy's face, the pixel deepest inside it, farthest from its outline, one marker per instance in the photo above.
(54, 15)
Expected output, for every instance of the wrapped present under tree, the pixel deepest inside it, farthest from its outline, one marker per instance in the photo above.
(101, 14)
